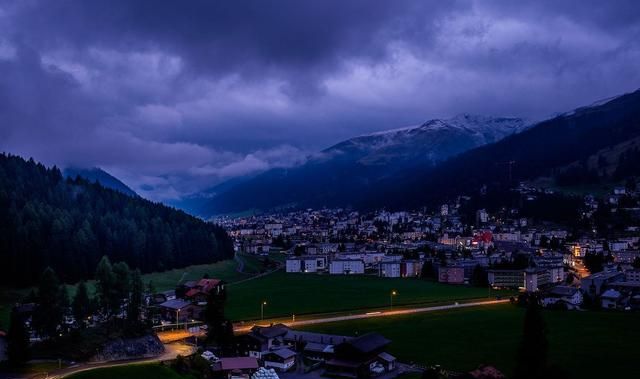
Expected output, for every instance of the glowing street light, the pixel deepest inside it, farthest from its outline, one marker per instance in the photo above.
(262, 310)
(393, 293)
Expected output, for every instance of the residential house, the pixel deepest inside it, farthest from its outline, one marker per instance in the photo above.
(593, 285)
(201, 290)
(261, 340)
(361, 357)
(236, 367)
(611, 299)
(280, 359)
(179, 310)
(314, 346)
(571, 297)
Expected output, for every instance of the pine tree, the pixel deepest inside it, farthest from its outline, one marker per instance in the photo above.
(17, 341)
(121, 286)
(532, 354)
(105, 282)
(81, 303)
(49, 310)
(136, 298)
(479, 277)
(214, 317)
(427, 271)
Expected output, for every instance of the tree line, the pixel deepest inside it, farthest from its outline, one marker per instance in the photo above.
(69, 224)
(118, 301)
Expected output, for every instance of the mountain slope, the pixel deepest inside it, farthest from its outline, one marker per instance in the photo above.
(428, 143)
(96, 174)
(541, 150)
(340, 174)
(69, 224)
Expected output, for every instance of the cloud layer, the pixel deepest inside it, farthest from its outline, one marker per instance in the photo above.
(174, 97)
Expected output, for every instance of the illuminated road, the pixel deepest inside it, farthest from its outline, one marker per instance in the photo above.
(171, 352)
(389, 313)
(173, 349)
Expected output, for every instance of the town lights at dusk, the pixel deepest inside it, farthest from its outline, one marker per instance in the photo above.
(286, 189)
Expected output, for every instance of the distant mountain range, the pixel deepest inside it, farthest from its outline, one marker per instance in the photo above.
(423, 165)
(340, 174)
(96, 174)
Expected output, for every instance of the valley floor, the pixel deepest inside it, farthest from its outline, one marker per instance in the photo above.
(290, 294)
(587, 344)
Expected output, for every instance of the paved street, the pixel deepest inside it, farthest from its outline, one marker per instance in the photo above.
(175, 348)
(389, 313)
(171, 351)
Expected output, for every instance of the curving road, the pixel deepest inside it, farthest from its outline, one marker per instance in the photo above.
(173, 349)
(171, 352)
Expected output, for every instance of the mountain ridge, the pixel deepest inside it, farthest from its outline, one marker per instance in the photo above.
(357, 163)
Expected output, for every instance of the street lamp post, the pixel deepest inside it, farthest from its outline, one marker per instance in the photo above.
(393, 293)
(262, 310)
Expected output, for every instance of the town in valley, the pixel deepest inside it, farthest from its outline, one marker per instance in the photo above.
(345, 189)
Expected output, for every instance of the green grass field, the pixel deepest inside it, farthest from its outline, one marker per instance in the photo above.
(253, 264)
(288, 294)
(168, 280)
(588, 344)
(225, 270)
(151, 371)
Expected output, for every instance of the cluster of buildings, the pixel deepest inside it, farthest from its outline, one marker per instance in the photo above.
(265, 351)
(503, 248)
(614, 289)
(281, 349)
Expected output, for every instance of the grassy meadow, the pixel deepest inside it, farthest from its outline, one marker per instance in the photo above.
(594, 344)
(287, 294)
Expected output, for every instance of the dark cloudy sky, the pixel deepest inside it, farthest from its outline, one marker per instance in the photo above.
(175, 96)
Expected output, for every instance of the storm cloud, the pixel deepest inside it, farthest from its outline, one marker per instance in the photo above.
(174, 97)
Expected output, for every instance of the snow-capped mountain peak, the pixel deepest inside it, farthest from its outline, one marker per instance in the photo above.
(432, 141)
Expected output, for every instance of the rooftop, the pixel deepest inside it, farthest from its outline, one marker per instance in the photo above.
(175, 304)
(369, 342)
(238, 363)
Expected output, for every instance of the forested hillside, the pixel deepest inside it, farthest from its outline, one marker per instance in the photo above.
(69, 224)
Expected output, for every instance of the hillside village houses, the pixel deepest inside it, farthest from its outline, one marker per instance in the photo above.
(510, 250)
(280, 347)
